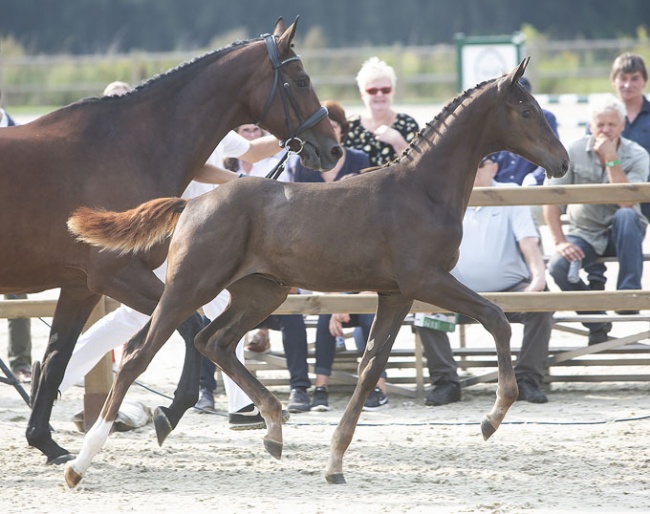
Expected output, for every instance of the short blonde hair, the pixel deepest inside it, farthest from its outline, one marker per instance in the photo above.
(608, 103)
(117, 88)
(374, 69)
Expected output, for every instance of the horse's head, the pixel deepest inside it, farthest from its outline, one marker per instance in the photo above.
(292, 111)
(523, 128)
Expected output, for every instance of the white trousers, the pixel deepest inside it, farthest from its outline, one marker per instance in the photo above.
(119, 326)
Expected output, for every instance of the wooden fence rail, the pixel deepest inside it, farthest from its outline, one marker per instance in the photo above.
(513, 302)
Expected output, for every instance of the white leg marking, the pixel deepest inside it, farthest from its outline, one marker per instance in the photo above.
(92, 443)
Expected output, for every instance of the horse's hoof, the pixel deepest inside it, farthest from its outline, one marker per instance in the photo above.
(72, 478)
(336, 479)
(487, 428)
(274, 448)
(61, 459)
(162, 424)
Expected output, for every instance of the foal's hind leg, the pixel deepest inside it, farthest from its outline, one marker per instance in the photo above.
(140, 350)
(252, 300)
(391, 312)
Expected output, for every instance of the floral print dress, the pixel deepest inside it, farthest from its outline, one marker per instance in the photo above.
(379, 153)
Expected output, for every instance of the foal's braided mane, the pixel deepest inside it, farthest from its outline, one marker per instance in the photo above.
(434, 127)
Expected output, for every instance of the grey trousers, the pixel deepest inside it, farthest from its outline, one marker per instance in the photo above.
(532, 358)
(20, 339)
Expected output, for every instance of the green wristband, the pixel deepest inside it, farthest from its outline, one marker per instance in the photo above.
(610, 164)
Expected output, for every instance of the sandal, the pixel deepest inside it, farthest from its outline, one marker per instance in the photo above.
(260, 343)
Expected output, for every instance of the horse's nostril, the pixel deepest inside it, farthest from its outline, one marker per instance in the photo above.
(337, 152)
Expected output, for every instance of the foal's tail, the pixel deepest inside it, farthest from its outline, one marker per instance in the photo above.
(133, 231)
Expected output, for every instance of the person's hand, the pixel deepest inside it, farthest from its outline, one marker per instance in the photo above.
(336, 323)
(605, 148)
(570, 251)
(536, 284)
(387, 134)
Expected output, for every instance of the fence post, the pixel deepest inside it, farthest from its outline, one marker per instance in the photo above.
(98, 381)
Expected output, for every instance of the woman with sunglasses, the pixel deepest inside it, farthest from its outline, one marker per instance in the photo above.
(380, 132)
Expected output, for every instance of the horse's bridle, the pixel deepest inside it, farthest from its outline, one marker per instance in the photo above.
(292, 143)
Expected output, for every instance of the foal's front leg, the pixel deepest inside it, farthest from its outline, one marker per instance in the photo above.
(454, 296)
(391, 311)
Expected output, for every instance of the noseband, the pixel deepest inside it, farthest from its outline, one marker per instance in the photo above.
(293, 143)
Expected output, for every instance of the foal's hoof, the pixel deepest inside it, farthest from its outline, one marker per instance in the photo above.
(72, 478)
(335, 478)
(487, 428)
(162, 424)
(273, 447)
(61, 459)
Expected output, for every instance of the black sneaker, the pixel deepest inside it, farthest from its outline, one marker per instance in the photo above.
(250, 418)
(600, 335)
(298, 400)
(376, 400)
(206, 400)
(319, 401)
(443, 393)
(529, 391)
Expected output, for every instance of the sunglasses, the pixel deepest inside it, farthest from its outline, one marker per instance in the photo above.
(374, 90)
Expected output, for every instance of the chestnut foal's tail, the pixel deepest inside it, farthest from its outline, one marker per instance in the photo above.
(136, 230)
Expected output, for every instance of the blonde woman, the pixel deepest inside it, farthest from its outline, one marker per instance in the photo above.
(380, 132)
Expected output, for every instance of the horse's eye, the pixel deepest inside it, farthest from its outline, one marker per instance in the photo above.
(302, 82)
(526, 113)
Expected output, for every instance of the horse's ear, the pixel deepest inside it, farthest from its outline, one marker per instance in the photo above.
(280, 27)
(284, 43)
(518, 72)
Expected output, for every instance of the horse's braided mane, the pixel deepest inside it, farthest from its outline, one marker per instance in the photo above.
(433, 127)
(179, 70)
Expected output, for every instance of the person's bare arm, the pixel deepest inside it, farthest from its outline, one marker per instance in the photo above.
(607, 152)
(529, 247)
(210, 174)
(567, 250)
(261, 148)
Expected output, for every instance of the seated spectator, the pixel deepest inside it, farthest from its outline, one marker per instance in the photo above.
(380, 132)
(597, 230)
(499, 252)
(330, 326)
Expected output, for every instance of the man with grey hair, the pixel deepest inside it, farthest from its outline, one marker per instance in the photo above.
(597, 230)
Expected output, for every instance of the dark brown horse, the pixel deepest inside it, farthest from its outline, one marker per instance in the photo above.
(116, 153)
(395, 230)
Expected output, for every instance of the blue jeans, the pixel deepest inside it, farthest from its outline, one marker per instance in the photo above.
(326, 342)
(625, 242)
(294, 341)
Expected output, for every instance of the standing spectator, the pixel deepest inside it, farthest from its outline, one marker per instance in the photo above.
(499, 252)
(20, 335)
(629, 77)
(380, 132)
(124, 322)
(597, 230)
